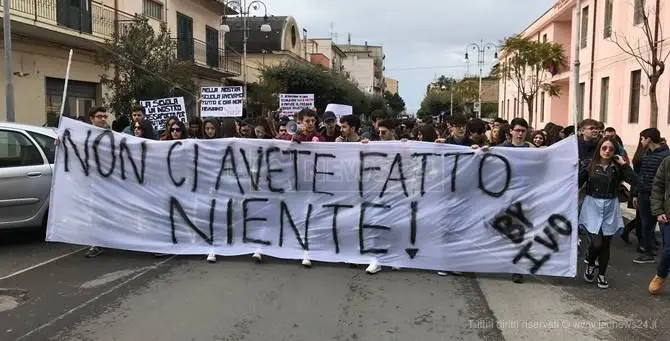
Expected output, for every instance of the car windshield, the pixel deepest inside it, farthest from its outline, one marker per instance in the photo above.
(47, 144)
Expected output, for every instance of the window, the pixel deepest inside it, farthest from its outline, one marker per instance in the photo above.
(638, 12)
(604, 98)
(152, 9)
(580, 101)
(584, 33)
(634, 102)
(544, 38)
(47, 144)
(542, 106)
(609, 7)
(16, 150)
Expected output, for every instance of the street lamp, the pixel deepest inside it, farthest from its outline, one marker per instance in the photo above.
(245, 10)
(481, 49)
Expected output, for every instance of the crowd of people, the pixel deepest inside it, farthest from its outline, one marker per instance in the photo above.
(604, 165)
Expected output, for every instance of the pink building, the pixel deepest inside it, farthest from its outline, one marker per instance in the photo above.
(613, 88)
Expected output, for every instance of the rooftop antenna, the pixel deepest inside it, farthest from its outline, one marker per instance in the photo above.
(349, 38)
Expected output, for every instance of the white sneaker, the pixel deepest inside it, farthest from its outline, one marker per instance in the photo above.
(441, 273)
(307, 263)
(211, 257)
(373, 268)
(257, 257)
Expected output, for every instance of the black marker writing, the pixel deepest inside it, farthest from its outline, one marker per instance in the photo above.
(284, 212)
(508, 175)
(268, 155)
(180, 182)
(233, 167)
(246, 219)
(176, 205)
(96, 153)
(362, 226)
(316, 171)
(424, 165)
(454, 169)
(362, 169)
(336, 210)
(397, 162)
(124, 149)
(67, 137)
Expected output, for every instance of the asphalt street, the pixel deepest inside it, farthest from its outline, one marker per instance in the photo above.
(50, 291)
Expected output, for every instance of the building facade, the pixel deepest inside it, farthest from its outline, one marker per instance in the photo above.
(612, 86)
(282, 44)
(391, 85)
(365, 65)
(330, 50)
(43, 32)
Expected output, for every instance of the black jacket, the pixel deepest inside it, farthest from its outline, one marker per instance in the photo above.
(466, 141)
(604, 182)
(587, 150)
(649, 163)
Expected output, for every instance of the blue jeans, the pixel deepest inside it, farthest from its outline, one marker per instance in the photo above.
(664, 264)
(647, 222)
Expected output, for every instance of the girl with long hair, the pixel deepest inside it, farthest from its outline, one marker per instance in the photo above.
(600, 213)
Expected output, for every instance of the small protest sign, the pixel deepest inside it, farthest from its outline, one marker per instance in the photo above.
(158, 111)
(221, 101)
(340, 109)
(291, 104)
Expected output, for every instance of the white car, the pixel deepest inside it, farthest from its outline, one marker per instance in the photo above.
(26, 166)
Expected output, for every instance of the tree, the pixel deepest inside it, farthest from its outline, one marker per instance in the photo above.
(395, 103)
(439, 97)
(327, 86)
(147, 67)
(526, 62)
(649, 54)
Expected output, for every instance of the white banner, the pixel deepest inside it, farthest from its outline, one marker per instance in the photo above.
(291, 104)
(158, 111)
(221, 101)
(340, 109)
(407, 204)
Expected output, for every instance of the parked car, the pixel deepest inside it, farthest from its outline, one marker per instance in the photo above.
(26, 166)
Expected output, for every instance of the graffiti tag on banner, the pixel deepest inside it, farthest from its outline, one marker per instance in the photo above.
(158, 111)
(405, 204)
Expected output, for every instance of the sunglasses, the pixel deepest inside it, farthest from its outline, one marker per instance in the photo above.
(176, 130)
(137, 128)
(606, 148)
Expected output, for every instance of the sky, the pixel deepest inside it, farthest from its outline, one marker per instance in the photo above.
(422, 39)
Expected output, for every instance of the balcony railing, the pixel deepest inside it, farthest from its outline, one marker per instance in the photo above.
(98, 20)
(210, 55)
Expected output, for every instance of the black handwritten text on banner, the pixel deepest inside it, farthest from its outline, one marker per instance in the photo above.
(406, 204)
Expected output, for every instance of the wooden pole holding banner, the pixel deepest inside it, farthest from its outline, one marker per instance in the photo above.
(67, 80)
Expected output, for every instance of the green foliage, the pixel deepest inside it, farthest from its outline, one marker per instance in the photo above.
(328, 86)
(526, 62)
(147, 67)
(465, 94)
(395, 103)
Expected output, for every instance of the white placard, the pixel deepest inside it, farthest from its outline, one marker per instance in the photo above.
(405, 204)
(291, 104)
(158, 111)
(221, 101)
(340, 109)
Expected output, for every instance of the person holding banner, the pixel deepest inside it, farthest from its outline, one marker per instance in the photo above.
(177, 131)
(212, 129)
(330, 131)
(349, 124)
(308, 133)
(600, 214)
(165, 134)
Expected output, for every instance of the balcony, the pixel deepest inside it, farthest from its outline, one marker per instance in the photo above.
(64, 21)
(209, 56)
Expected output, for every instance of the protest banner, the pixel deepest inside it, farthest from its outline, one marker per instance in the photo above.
(291, 104)
(340, 109)
(158, 111)
(221, 101)
(406, 204)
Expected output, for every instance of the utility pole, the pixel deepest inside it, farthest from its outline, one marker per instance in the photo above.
(575, 69)
(9, 87)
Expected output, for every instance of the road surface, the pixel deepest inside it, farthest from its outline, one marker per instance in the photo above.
(50, 291)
